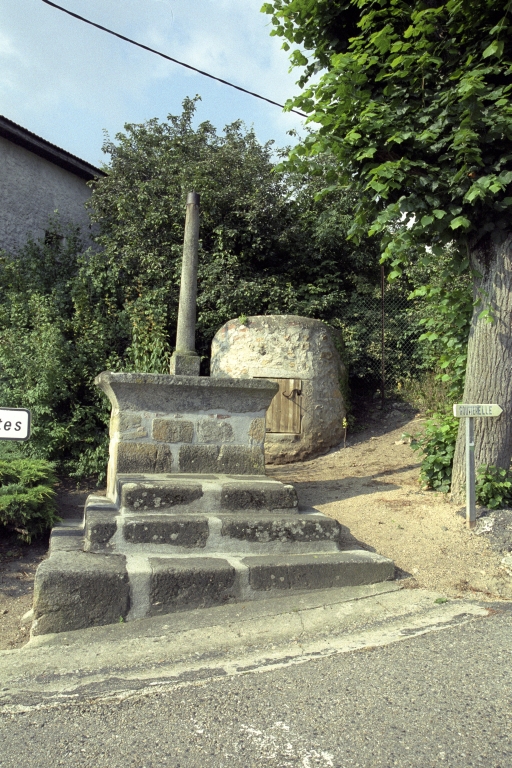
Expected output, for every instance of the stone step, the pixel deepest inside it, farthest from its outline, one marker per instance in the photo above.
(167, 533)
(76, 589)
(203, 493)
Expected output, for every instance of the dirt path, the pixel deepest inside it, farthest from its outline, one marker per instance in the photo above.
(371, 487)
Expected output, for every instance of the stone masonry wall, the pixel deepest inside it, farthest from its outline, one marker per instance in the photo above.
(184, 424)
(288, 347)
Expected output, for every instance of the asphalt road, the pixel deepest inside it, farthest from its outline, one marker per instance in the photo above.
(437, 699)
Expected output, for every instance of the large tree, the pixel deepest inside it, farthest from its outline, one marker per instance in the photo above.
(413, 100)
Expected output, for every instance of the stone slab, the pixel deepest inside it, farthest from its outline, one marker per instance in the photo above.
(199, 458)
(187, 532)
(292, 529)
(320, 571)
(173, 430)
(159, 393)
(73, 590)
(185, 365)
(147, 458)
(190, 583)
(67, 536)
(198, 493)
(239, 496)
(100, 527)
(157, 496)
(240, 460)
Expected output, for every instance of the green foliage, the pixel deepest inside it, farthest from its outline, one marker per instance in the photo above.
(27, 496)
(415, 106)
(426, 392)
(268, 245)
(48, 359)
(437, 443)
(493, 487)
(446, 309)
(149, 350)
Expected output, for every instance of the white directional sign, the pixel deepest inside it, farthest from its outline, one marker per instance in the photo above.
(14, 424)
(475, 411)
(471, 411)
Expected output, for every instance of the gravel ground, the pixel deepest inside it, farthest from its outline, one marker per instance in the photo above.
(372, 487)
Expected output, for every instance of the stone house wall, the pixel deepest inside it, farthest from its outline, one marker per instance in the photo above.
(33, 187)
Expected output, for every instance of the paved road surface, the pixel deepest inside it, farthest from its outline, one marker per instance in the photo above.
(442, 698)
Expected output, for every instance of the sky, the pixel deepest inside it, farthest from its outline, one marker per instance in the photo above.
(69, 82)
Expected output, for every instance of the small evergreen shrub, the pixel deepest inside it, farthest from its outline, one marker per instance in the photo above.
(27, 496)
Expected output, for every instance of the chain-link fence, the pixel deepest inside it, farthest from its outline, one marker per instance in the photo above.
(381, 330)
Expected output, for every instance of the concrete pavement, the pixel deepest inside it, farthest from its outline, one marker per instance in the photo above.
(124, 659)
(366, 677)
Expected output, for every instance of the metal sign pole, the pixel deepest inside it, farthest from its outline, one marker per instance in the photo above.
(470, 473)
(470, 411)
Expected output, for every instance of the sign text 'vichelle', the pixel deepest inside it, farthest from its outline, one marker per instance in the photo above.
(483, 409)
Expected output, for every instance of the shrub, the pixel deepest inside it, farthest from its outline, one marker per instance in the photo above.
(493, 487)
(27, 496)
(437, 443)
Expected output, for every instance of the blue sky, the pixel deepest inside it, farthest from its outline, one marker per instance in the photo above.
(67, 81)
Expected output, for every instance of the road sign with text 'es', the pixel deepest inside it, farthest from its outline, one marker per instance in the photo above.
(14, 424)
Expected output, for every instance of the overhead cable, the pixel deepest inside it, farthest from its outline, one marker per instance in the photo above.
(170, 58)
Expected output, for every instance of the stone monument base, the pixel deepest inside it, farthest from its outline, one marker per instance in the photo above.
(209, 529)
(176, 544)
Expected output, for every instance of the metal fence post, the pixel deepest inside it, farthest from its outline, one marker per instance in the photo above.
(383, 346)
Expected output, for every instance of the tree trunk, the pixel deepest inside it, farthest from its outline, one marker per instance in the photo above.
(489, 367)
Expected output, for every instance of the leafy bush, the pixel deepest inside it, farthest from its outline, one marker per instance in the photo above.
(425, 392)
(27, 496)
(493, 487)
(437, 443)
(267, 246)
(50, 352)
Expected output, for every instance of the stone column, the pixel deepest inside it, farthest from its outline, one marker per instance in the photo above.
(185, 360)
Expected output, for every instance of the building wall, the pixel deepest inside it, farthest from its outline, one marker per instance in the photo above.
(31, 189)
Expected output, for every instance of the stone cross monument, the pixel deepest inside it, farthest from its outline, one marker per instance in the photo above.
(189, 520)
(185, 361)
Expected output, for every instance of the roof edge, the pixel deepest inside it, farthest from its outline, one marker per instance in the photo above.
(24, 138)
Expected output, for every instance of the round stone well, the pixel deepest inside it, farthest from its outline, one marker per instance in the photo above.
(306, 415)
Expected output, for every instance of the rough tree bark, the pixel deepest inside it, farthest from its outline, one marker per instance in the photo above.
(489, 367)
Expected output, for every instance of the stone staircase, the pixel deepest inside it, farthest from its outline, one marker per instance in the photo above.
(165, 542)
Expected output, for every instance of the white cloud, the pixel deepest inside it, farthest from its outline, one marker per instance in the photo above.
(8, 50)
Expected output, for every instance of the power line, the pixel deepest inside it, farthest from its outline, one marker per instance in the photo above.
(169, 58)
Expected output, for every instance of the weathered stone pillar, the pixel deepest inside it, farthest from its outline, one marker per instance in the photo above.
(185, 361)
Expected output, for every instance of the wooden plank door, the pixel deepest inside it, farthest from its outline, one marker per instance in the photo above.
(285, 413)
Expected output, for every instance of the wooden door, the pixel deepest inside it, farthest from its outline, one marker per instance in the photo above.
(285, 412)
